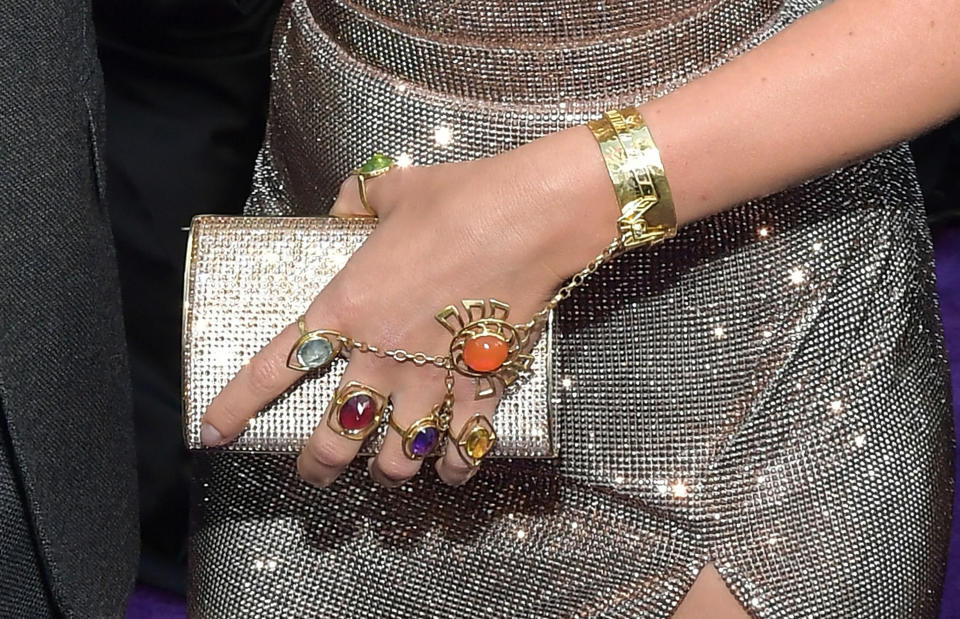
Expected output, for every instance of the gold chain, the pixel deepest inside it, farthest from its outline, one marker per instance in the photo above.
(399, 355)
(445, 414)
(444, 362)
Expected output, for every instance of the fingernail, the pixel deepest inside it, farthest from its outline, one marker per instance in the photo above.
(379, 478)
(210, 436)
(372, 471)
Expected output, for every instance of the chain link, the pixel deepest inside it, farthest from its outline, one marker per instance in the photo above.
(445, 414)
(401, 356)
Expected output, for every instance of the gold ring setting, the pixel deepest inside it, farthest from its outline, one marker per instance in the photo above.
(475, 440)
(315, 349)
(485, 346)
(377, 165)
(423, 436)
(356, 410)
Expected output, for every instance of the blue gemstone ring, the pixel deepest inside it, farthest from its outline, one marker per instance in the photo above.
(315, 349)
(423, 436)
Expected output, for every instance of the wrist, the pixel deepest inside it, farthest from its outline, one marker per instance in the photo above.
(576, 204)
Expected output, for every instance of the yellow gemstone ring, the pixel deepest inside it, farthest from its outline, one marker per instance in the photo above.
(475, 440)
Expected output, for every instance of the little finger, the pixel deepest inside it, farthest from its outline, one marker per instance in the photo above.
(471, 438)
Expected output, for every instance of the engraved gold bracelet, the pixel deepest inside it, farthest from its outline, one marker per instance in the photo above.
(647, 213)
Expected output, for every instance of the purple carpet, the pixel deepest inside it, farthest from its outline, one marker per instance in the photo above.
(947, 244)
(148, 603)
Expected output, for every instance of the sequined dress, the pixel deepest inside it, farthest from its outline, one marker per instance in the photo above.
(789, 418)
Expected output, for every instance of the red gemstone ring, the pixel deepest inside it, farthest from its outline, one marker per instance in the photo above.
(356, 410)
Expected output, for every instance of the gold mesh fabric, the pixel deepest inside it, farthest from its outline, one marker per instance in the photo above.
(789, 418)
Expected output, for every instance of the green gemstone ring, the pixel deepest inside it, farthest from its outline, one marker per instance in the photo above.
(377, 165)
(314, 350)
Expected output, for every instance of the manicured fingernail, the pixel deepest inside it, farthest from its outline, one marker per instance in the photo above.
(378, 477)
(210, 436)
(372, 471)
(450, 476)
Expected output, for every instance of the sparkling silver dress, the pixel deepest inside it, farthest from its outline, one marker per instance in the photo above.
(788, 419)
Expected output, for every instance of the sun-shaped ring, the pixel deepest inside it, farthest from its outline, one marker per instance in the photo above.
(356, 410)
(475, 440)
(315, 349)
(422, 437)
(485, 346)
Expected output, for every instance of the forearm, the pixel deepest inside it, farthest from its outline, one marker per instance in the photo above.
(839, 84)
(836, 86)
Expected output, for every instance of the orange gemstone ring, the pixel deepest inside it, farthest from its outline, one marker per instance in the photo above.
(475, 440)
(485, 346)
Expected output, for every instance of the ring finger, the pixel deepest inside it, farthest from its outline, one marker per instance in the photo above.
(414, 431)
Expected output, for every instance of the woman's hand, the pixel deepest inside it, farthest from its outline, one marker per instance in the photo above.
(510, 227)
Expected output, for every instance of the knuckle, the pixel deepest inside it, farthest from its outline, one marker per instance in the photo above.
(311, 475)
(455, 470)
(229, 418)
(343, 300)
(264, 374)
(452, 478)
(348, 185)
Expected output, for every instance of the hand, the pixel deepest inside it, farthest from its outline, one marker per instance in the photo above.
(510, 227)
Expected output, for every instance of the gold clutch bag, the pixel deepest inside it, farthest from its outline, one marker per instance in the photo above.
(249, 277)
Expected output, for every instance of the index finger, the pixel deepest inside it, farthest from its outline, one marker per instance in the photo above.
(264, 378)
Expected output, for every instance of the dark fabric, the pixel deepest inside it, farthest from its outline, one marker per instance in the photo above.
(64, 381)
(186, 87)
(938, 167)
(23, 592)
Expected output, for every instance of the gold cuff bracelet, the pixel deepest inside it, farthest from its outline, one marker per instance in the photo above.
(647, 214)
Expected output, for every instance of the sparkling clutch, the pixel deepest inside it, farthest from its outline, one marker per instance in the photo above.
(249, 277)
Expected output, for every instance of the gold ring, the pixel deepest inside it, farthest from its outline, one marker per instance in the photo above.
(377, 165)
(485, 345)
(475, 440)
(356, 410)
(315, 349)
(423, 435)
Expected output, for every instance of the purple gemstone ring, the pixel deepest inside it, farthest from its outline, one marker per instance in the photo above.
(423, 436)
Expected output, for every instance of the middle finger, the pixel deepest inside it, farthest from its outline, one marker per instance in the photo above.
(353, 413)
